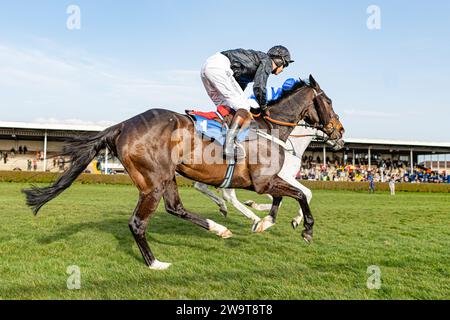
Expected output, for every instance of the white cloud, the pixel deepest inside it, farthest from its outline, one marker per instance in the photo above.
(103, 123)
(36, 84)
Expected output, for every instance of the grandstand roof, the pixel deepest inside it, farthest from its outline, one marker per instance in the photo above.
(51, 126)
(398, 142)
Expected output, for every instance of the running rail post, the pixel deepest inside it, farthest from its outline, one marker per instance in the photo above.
(439, 163)
(445, 164)
(324, 155)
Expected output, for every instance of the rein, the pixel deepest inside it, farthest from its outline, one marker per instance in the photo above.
(290, 124)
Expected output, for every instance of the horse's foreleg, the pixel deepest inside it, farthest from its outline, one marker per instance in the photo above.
(298, 219)
(203, 188)
(270, 220)
(280, 187)
(258, 206)
(175, 207)
(230, 196)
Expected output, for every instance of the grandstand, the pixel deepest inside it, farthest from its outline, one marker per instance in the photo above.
(34, 146)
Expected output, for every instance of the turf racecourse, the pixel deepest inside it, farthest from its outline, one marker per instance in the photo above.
(407, 236)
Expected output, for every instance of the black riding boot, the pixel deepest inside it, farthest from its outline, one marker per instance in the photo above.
(232, 149)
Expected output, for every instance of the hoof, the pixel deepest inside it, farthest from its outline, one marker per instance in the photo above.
(158, 265)
(224, 212)
(307, 237)
(249, 203)
(219, 230)
(226, 234)
(263, 225)
(295, 224)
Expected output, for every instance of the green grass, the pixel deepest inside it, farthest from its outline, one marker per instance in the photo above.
(407, 236)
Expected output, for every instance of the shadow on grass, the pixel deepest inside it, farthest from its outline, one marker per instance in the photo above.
(118, 227)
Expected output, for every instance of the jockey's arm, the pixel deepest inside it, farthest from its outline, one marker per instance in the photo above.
(260, 81)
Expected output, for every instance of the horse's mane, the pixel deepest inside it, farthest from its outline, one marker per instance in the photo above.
(286, 93)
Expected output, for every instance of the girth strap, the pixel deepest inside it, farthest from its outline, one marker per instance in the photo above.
(228, 175)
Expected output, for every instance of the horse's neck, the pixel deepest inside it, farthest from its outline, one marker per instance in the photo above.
(289, 110)
(301, 137)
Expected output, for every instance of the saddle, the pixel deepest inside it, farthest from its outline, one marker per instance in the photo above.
(214, 125)
(223, 115)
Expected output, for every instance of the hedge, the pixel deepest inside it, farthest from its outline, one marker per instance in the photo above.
(379, 186)
(40, 177)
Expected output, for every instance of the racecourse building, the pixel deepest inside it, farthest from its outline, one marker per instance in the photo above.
(34, 146)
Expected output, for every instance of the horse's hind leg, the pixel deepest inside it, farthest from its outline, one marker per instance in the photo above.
(146, 207)
(175, 207)
(203, 188)
(230, 196)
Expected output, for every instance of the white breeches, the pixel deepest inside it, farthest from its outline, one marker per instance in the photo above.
(221, 86)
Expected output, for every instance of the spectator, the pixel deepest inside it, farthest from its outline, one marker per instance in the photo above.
(25, 150)
(392, 185)
(61, 163)
(371, 183)
(5, 158)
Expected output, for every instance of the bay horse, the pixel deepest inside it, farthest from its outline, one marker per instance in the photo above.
(152, 148)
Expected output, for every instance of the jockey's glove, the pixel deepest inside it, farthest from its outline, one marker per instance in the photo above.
(264, 109)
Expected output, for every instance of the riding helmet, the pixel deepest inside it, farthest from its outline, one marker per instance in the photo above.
(280, 55)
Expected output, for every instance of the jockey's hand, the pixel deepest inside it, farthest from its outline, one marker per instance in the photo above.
(254, 111)
(265, 110)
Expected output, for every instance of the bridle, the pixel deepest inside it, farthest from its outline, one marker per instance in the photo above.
(324, 138)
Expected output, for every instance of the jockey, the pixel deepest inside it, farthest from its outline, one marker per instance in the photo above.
(225, 76)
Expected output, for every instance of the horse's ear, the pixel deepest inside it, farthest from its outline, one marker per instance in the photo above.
(313, 82)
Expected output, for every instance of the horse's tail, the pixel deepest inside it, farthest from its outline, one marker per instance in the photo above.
(81, 151)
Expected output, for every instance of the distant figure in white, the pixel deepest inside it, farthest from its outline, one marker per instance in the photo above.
(299, 140)
(392, 185)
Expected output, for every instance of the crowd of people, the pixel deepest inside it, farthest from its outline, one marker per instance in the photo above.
(32, 162)
(6, 155)
(380, 171)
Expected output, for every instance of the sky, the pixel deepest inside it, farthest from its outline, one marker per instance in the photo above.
(130, 56)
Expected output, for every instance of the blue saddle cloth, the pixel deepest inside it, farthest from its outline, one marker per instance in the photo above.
(214, 130)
